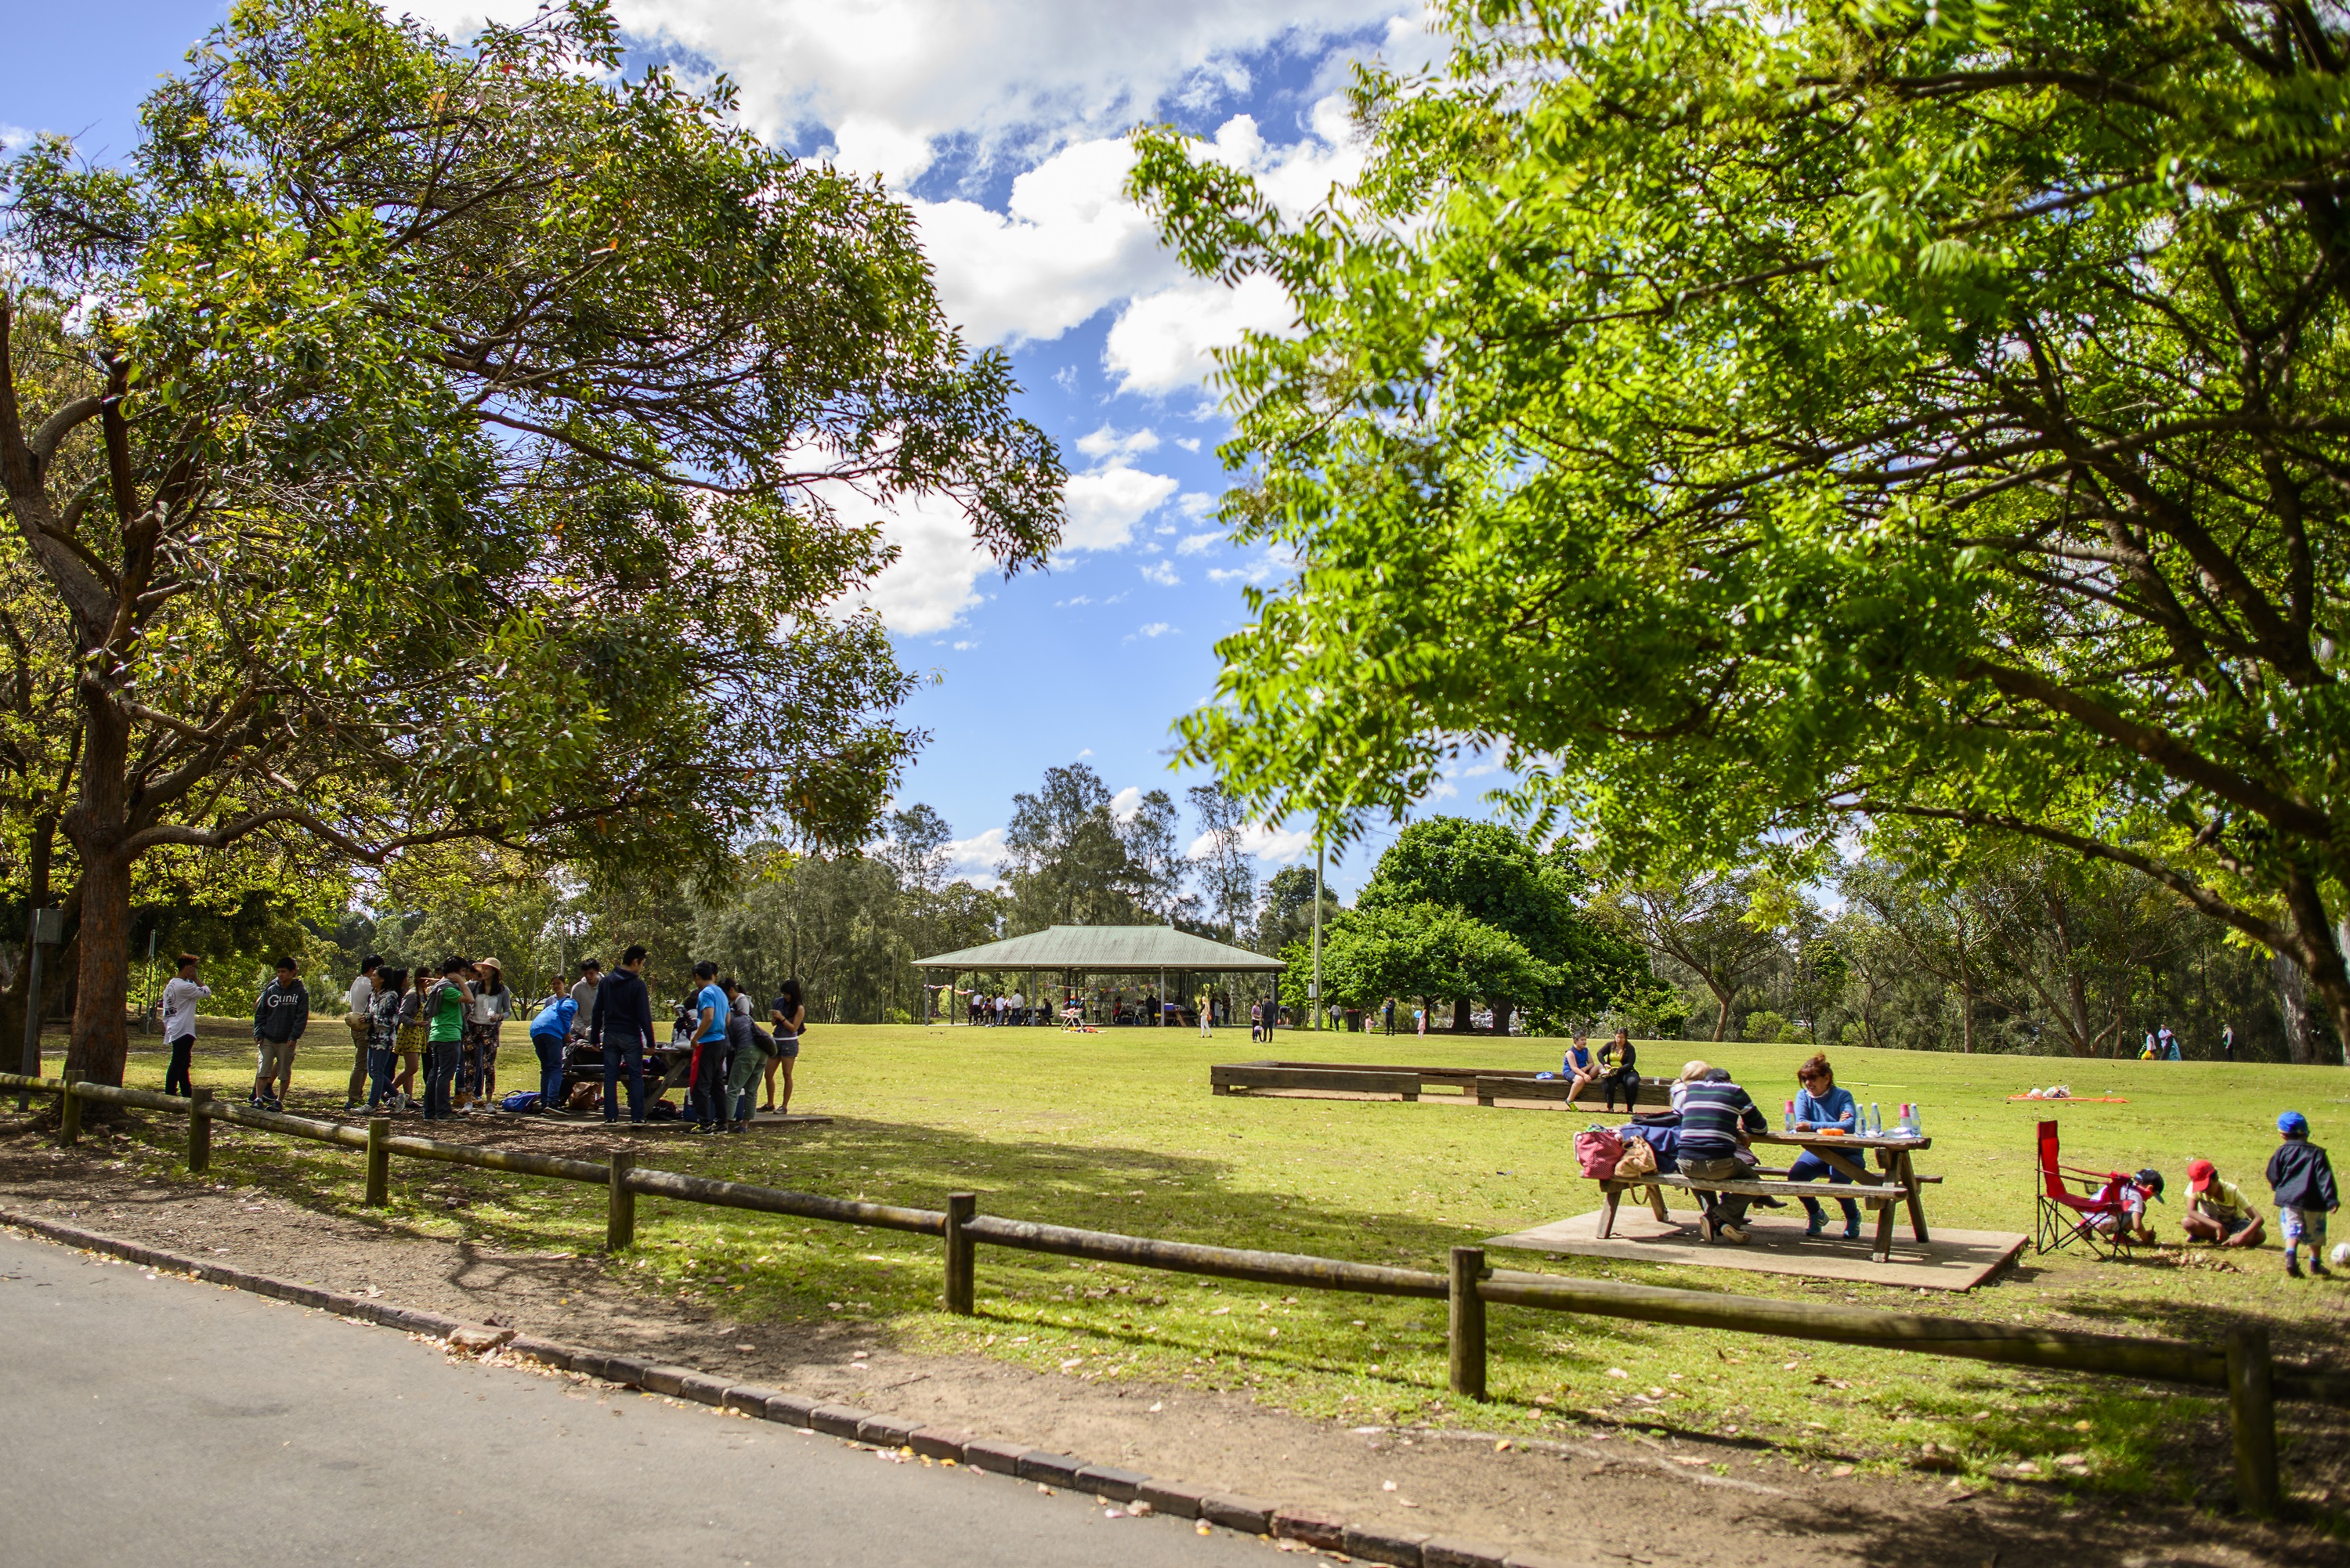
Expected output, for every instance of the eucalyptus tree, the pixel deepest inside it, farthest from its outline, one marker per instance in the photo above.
(428, 442)
(1744, 417)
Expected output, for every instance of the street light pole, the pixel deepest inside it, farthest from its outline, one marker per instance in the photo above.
(1314, 986)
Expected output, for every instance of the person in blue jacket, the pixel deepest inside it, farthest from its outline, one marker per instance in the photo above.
(548, 1031)
(1819, 1105)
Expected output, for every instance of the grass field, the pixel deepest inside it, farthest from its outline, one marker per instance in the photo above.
(1117, 1131)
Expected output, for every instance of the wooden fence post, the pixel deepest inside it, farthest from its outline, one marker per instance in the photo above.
(68, 1117)
(2251, 1408)
(200, 1131)
(379, 1163)
(962, 1263)
(1468, 1323)
(621, 1206)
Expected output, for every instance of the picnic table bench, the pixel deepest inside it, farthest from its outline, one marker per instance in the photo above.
(1895, 1184)
(1881, 1196)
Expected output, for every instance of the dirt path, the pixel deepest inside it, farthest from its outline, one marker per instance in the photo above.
(1624, 1497)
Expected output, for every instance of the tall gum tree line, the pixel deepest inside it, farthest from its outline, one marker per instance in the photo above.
(416, 443)
(1749, 418)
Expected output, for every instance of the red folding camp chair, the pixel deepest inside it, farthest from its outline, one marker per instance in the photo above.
(2063, 1216)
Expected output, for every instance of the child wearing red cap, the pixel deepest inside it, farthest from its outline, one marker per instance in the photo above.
(2219, 1212)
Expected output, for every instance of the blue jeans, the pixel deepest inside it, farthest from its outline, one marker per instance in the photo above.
(550, 1070)
(439, 1072)
(633, 1053)
(1810, 1167)
(378, 1066)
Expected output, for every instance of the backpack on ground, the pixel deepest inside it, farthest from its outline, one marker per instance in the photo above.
(520, 1100)
(1596, 1150)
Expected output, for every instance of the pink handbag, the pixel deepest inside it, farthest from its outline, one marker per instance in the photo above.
(1596, 1150)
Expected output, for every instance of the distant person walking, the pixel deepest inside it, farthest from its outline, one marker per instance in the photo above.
(1207, 1024)
(623, 1023)
(280, 1014)
(2167, 1045)
(2228, 1041)
(359, 1014)
(180, 994)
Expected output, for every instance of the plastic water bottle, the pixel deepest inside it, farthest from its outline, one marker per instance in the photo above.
(1916, 1124)
(1788, 1122)
(1875, 1120)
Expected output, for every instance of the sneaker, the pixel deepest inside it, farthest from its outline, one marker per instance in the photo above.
(2293, 1265)
(1813, 1232)
(1852, 1231)
(352, 1109)
(2320, 1270)
(1731, 1233)
(1705, 1225)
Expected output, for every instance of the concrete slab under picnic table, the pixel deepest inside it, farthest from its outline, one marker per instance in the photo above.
(1952, 1261)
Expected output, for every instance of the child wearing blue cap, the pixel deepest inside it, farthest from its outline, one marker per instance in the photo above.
(2303, 1179)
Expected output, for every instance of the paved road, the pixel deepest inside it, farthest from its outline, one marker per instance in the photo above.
(153, 1419)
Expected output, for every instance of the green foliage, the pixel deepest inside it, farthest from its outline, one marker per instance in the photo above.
(1425, 950)
(1742, 419)
(485, 437)
(1497, 877)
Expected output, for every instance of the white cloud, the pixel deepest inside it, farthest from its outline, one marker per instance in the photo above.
(1071, 603)
(1069, 245)
(1105, 505)
(1163, 574)
(1442, 789)
(966, 645)
(1266, 564)
(1157, 628)
(1165, 341)
(932, 583)
(974, 860)
(1084, 755)
(1281, 847)
(1109, 441)
(1189, 443)
(1004, 72)
(1192, 544)
(1127, 800)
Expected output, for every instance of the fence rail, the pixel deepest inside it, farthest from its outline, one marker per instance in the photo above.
(2242, 1366)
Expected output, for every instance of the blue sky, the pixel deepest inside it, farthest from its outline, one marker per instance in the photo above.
(1002, 123)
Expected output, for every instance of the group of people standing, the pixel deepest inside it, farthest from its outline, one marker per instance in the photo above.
(438, 1026)
(445, 1019)
(729, 1054)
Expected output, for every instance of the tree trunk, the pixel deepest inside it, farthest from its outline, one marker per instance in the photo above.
(1967, 1017)
(1502, 1011)
(1461, 1010)
(2293, 1001)
(1721, 1015)
(98, 826)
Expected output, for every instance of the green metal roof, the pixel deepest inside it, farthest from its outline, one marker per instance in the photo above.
(1129, 948)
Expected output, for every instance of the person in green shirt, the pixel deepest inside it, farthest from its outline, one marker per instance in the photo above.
(2219, 1213)
(444, 1032)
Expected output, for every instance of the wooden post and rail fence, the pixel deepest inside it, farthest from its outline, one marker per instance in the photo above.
(2242, 1368)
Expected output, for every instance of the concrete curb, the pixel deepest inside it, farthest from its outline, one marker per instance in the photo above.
(1311, 1527)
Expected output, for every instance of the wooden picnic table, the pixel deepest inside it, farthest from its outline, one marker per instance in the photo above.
(1892, 1152)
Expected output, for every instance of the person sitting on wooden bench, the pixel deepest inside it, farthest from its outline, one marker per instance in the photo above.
(1717, 1117)
(1624, 1077)
(1820, 1105)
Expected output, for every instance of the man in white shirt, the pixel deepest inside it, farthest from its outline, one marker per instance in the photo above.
(358, 1003)
(180, 994)
(583, 995)
(1013, 1005)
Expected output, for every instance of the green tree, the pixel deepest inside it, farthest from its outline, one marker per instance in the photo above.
(427, 442)
(1497, 875)
(1425, 950)
(1745, 418)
